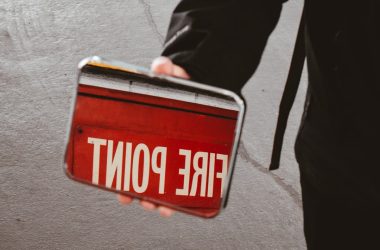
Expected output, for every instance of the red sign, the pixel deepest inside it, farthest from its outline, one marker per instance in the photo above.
(165, 149)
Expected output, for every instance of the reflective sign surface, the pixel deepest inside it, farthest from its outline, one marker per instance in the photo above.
(169, 141)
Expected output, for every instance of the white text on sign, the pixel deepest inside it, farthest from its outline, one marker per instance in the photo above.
(201, 164)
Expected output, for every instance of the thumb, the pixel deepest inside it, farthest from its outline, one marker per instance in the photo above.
(163, 65)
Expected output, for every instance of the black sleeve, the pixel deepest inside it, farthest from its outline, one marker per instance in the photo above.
(220, 42)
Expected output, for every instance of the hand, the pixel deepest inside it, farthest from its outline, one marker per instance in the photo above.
(164, 66)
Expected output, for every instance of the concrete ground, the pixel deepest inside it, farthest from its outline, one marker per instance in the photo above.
(41, 43)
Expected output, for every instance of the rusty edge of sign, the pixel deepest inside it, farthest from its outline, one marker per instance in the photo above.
(122, 66)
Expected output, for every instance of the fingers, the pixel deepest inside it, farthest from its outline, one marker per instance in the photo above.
(163, 65)
(180, 72)
(148, 205)
(123, 199)
(165, 211)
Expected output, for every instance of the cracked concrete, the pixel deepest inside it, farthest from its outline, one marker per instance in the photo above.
(151, 22)
(292, 192)
(40, 44)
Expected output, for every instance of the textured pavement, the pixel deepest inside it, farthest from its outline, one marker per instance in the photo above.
(41, 43)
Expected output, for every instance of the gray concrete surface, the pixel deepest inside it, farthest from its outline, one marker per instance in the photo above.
(40, 208)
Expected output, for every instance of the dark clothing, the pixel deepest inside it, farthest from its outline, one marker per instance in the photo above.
(338, 222)
(220, 42)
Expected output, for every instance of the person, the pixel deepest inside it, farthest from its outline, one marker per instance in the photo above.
(220, 42)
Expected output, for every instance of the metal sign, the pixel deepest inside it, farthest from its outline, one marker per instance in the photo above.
(162, 139)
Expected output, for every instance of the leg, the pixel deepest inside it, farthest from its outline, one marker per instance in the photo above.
(338, 221)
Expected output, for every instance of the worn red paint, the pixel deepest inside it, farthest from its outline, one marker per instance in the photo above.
(107, 119)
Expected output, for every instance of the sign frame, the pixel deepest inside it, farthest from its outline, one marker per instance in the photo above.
(113, 65)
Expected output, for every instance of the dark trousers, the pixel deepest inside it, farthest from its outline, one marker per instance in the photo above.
(338, 221)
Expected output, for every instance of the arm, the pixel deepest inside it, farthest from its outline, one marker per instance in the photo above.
(220, 42)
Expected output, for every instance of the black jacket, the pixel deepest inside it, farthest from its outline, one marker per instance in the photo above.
(220, 42)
